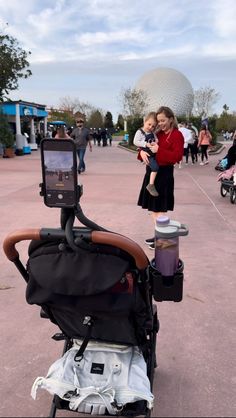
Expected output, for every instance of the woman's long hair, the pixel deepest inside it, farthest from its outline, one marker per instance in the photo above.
(169, 114)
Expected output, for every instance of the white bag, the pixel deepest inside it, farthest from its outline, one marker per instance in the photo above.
(107, 377)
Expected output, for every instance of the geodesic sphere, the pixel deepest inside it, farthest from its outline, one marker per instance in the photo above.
(167, 87)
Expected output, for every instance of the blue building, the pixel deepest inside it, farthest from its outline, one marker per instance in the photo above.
(25, 116)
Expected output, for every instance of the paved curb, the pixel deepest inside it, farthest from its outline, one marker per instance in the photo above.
(210, 152)
(218, 151)
(127, 149)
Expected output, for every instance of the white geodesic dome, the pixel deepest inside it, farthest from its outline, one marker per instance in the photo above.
(167, 87)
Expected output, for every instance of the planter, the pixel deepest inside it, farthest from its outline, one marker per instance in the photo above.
(8, 153)
(19, 151)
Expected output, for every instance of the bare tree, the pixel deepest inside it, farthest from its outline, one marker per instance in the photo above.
(67, 104)
(204, 99)
(134, 102)
(73, 106)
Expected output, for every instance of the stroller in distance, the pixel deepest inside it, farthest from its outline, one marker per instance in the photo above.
(96, 287)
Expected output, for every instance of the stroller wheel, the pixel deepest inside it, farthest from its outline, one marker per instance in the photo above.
(223, 191)
(232, 195)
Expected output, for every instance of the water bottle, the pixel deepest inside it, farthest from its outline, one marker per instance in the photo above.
(167, 233)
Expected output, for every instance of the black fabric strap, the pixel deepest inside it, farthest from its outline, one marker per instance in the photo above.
(89, 323)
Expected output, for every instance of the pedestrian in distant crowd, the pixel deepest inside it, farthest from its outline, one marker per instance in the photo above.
(99, 138)
(104, 137)
(61, 133)
(69, 131)
(168, 151)
(54, 132)
(204, 140)
(109, 135)
(82, 138)
(194, 145)
(38, 137)
(49, 134)
(187, 134)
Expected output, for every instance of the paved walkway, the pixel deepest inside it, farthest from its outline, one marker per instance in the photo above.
(196, 343)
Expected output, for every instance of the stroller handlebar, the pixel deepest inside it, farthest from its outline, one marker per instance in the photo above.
(97, 237)
(124, 243)
(14, 237)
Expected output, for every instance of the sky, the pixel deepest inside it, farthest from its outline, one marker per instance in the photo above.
(92, 50)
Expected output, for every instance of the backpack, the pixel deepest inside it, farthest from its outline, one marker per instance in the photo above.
(106, 378)
(99, 282)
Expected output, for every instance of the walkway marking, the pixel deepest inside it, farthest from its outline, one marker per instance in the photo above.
(210, 200)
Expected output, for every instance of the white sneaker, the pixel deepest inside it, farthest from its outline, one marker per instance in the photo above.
(201, 163)
(207, 162)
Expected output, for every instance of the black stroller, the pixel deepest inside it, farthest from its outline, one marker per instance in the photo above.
(97, 287)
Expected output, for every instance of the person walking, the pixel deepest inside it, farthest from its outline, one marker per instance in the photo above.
(204, 140)
(61, 133)
(187, 134)
(82, 138)
(169, 151)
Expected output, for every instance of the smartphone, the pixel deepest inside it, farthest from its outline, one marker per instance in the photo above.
(59, 172)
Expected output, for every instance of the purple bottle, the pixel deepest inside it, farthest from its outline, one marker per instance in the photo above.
(167, 234)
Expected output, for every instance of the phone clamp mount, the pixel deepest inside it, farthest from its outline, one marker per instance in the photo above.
(76, 236)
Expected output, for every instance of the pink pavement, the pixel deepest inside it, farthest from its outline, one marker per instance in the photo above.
(196, 343)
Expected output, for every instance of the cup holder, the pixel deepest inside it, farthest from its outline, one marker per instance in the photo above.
(167, 288)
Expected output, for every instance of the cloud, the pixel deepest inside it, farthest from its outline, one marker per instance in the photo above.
(95, 42)
(104, 29)
(132, 36)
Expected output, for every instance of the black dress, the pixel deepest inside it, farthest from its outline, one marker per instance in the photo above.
(164, 184)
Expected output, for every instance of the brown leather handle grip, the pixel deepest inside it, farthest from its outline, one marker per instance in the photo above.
(98, 237)
(124, 243)
(11, 240)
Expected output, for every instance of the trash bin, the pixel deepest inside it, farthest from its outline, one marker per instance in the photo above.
(27, 149)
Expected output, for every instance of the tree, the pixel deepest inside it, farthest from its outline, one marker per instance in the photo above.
(68, 105)
(204, 99)
(13, 65)
(226, 108)
(6, 135)
(108, 122)
(120, 122)
(95, 120)
(73, 106)
(134, 103)
(226, 121)
(133, 125)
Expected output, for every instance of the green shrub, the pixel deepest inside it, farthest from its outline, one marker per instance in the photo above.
(7, 138)
(133, 126)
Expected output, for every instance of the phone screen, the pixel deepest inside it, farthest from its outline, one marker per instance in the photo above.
(59, 169)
